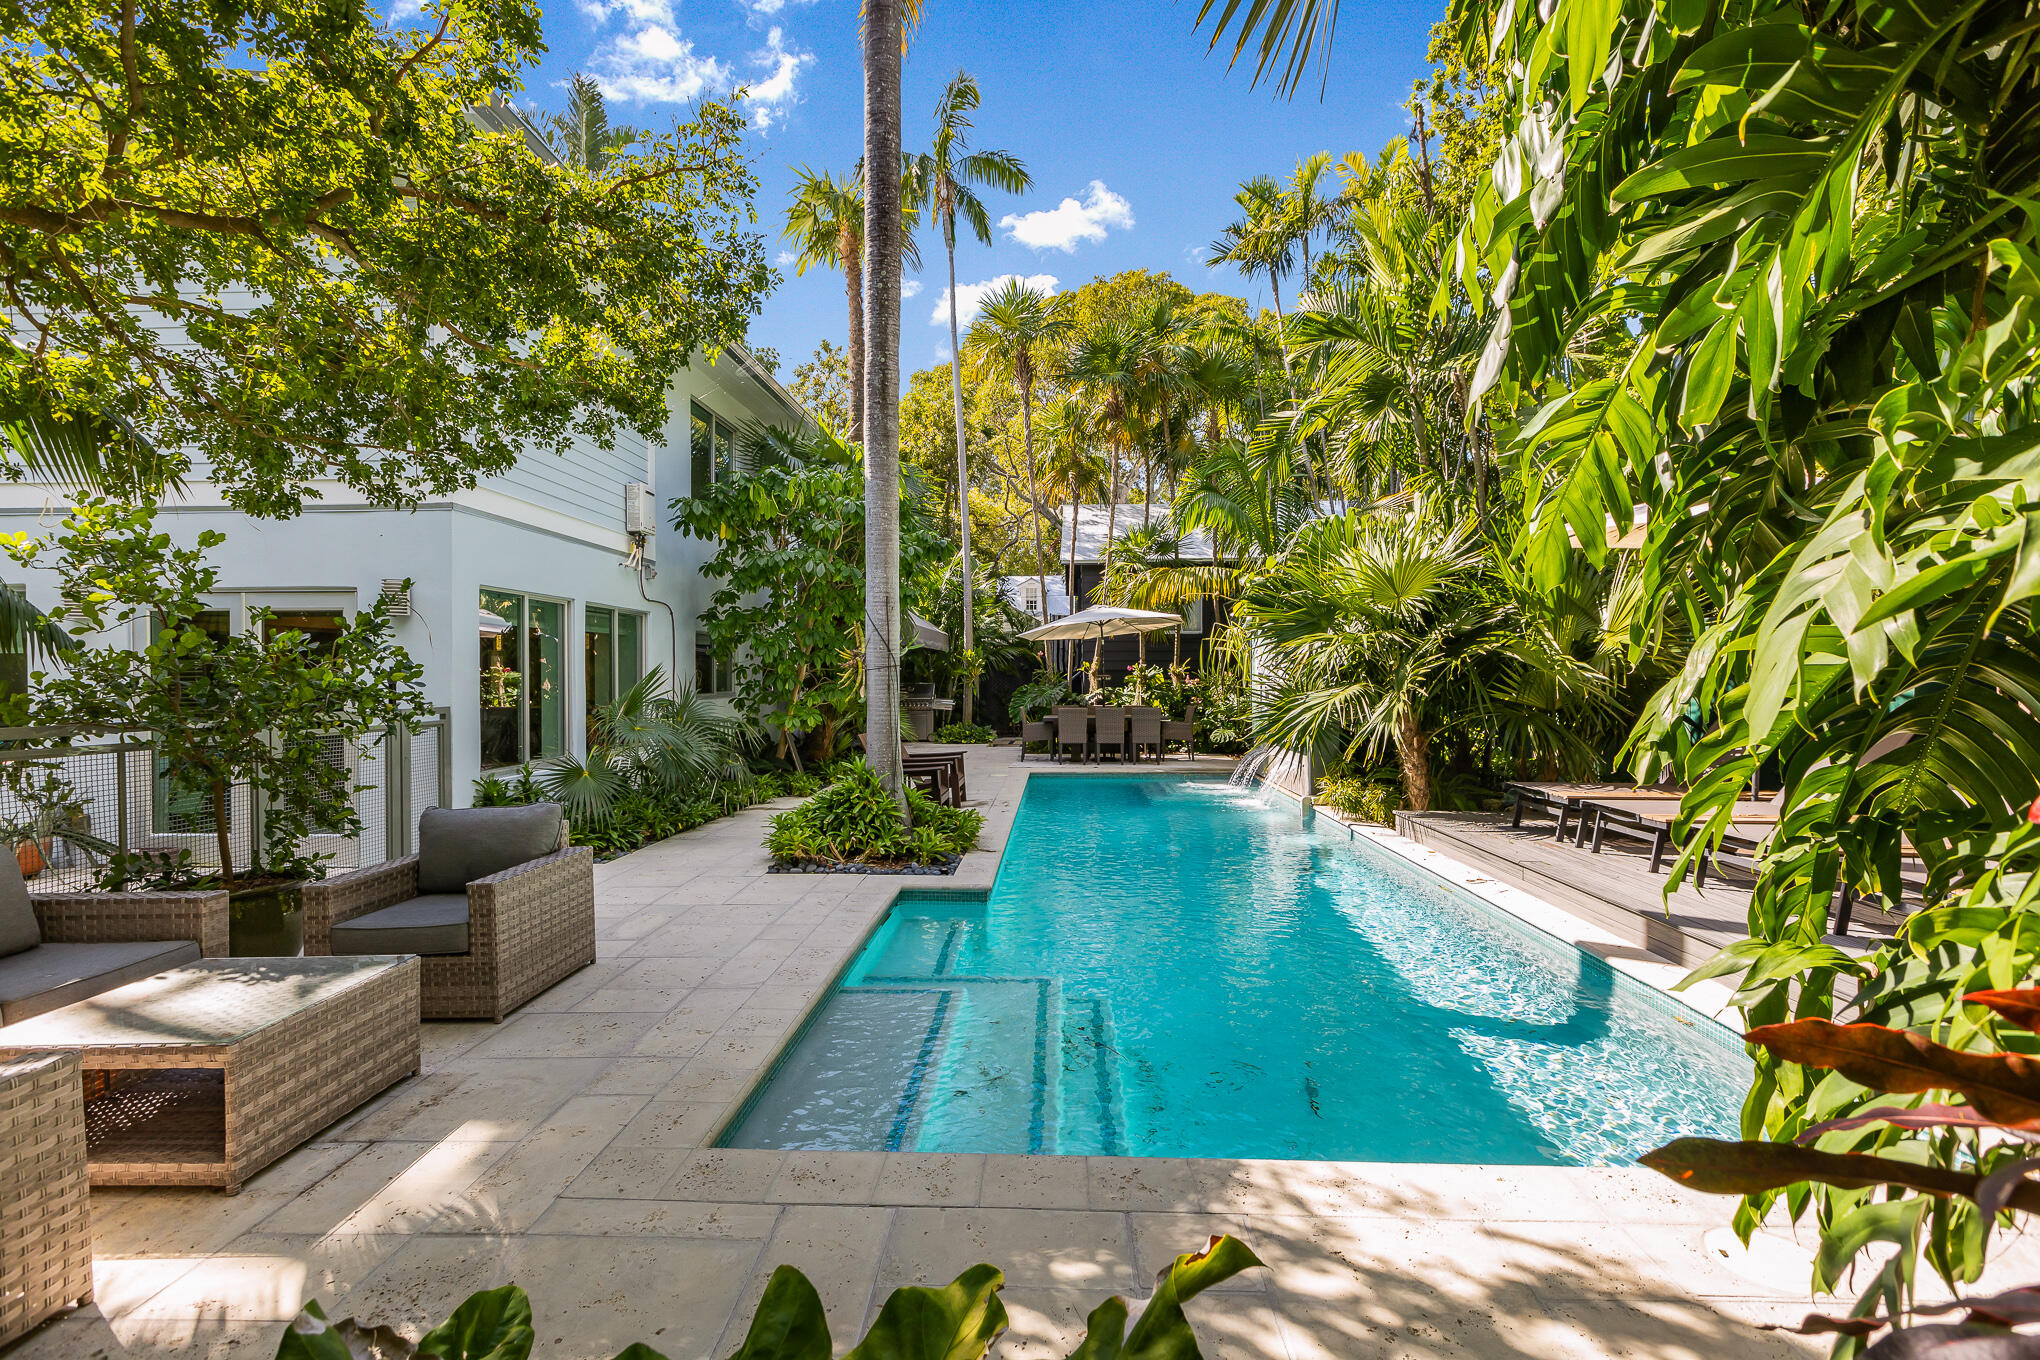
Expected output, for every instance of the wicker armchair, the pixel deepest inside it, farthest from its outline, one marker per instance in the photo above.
(527, 927)
(45, 1217)
(1043, 732)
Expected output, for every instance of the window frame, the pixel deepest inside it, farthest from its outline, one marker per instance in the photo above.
(524, 678)
(621, 677)
(721, 454)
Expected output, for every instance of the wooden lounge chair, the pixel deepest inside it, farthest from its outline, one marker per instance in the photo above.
(1564, 800)
(946, 767)
(1651, 820)
(1144, 729)
(1072, 732)
(1110, 730)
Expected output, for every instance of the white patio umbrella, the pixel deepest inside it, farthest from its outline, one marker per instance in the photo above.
(1102, 621)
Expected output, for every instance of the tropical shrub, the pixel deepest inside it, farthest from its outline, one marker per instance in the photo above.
(957, 1321)
(259, 709)
(1813, 229)
(1368, 800)
(855, 821)
(653, 744)
(788, 607)
(1037, 698)
(969, 734)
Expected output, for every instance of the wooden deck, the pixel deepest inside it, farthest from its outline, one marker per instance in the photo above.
(1615, 888)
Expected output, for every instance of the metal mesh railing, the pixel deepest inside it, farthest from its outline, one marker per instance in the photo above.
(71, 800)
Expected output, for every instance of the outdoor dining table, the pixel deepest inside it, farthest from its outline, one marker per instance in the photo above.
(1091, 729)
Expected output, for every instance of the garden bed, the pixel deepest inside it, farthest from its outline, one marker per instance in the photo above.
(817, 866)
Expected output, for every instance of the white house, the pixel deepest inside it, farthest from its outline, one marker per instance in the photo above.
(534, 598)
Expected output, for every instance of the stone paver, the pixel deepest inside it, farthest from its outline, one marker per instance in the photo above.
(568, 1149)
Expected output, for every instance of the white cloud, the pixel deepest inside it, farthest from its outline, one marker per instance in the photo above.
(971, 296)
(1068, 222)
(765, 9)
(404, 11)
(651, 63)
(910, 288)
(786, 259)
(656, 65)
(768, 97)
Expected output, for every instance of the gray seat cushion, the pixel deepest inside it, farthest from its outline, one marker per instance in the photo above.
(436, 923)
(53, 975)
(456, 846)
(18, 930)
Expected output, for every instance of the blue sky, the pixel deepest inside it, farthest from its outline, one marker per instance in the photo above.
(1135, 135)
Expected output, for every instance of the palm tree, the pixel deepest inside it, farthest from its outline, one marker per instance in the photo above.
(1014, 327)
(946, 178)
(825, 224)
(582, 135)
(1376, 634)
(1260, 240)
(1071, 436)
(1310, 210)
(1163, 362)
(884, 39)
(1109, 365)
(651, 741)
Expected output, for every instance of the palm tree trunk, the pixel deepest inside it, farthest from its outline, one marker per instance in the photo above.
(881, 395)
(853, 281)
(1281, 326)
(962, 465)
(1071, 584)
(1413, 753)
(1034, 500)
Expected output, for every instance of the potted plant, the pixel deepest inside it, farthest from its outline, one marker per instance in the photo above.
(255, 713)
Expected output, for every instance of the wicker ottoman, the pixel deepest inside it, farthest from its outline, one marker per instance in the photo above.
(45, 1221)
(205, 1074)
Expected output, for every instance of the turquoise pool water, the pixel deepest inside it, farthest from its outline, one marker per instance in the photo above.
(1167, 966)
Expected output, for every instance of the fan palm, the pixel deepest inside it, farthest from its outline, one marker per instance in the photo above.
(648, 741)
(948, 177)
(1015, 327)
(1374, 630)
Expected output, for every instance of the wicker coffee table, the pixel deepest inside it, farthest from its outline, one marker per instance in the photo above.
(207, 1073)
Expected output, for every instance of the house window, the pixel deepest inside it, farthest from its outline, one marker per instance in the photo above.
(322, 626)
(613, 657)
(523, 678)
(179, 805)
(711, 672)
(712, 441)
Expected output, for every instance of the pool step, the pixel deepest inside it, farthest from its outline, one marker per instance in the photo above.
(1092, 1101)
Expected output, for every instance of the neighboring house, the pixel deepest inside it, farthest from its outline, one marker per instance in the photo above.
(1090, 523)
(534, 598)
(1024, 593)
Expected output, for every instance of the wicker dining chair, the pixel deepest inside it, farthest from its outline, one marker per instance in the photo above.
(1072, 730)
(1043, 732)
(1184, 731)
(1144, 729)
(495, 903)
(1111, 731)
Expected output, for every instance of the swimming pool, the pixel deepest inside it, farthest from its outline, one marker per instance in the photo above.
(1169, 966)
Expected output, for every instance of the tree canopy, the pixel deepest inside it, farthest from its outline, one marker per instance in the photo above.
(270, 233)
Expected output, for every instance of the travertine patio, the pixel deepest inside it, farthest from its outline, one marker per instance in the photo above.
(564, 1150)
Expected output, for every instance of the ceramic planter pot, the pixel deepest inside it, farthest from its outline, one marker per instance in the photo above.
(32, 856)
(266, 921)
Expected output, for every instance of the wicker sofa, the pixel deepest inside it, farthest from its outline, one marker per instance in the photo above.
(45, 1217)
(59, 948)
(495, 905)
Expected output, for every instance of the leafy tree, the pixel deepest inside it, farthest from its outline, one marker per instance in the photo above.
(270, 233)
(789, 604)
(822, 385)
(1261, 240)
(256, 709)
